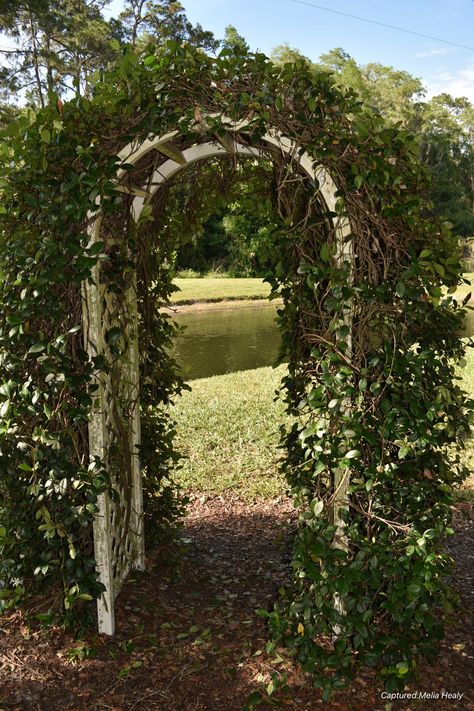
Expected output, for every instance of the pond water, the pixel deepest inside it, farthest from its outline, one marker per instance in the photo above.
(222, 341)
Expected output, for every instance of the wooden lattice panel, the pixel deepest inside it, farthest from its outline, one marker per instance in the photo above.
(116, 418)
(114, 435)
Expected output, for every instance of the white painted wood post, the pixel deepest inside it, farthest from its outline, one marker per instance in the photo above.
(136, 517)
(345, 253)
(92, 320)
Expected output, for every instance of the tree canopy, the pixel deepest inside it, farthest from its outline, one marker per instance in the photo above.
(443, 125)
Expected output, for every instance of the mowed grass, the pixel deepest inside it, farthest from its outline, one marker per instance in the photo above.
(464, 289)
(227, 429)
(467, 374)
(218, 289)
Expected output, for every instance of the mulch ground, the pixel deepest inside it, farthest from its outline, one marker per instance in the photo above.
(187, 634)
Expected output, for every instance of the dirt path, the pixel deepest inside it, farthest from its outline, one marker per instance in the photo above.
(188, 638)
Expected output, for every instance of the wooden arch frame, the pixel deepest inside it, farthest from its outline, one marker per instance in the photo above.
(117, 554)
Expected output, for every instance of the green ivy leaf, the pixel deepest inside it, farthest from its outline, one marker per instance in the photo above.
(403, 668)
(325, 253)
(403, 452)
(317, 506)
(37, 348)
(352, 454)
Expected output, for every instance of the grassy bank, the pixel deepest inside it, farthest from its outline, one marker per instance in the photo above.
(218, 289)
(467, 374)
(228, 430)
(212, 289)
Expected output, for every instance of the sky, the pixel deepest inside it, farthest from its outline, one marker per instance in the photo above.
(442, 67)
(305, 26)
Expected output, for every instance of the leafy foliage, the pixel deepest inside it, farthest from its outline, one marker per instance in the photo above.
(230, 228)
(369, 332)
(443, 125)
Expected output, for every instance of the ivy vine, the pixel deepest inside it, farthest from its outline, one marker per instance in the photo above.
(372, 342)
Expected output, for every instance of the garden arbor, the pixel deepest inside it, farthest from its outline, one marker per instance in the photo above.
(119, 547)
(370, 338)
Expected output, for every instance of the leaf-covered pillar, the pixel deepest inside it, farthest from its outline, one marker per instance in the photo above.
(344, 260)
(114, 425)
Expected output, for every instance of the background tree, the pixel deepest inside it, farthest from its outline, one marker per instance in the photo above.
(57, 46)
(160, 20)
(220, 219)
(444, 125)
(447, 148)
(233, 41)
(393, 93)
(283, 53)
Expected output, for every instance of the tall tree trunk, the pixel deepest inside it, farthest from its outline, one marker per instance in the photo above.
(78, 77)
(36, 68)
(137, 20)
(49, 68)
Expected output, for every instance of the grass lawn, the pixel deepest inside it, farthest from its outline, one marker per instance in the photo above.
(218, 288)
(468, 384)
(227, 427)
(463, 290)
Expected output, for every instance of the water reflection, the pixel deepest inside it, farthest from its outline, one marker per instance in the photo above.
(215, 342)
(220, 341)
